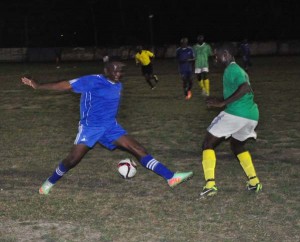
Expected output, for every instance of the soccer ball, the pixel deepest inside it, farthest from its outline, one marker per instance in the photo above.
(127, 168)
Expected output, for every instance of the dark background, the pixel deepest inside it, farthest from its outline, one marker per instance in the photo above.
(41, 23)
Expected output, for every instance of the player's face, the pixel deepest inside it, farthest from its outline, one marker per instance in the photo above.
(221, 57)
(200, 39)
(115, 73)
(184, 43)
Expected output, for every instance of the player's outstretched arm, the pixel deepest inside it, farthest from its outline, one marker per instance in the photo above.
(219, 103)
(56, 86)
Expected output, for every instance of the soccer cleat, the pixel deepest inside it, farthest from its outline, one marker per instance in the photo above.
(152, 88)
(209, 192)
(179, 177)
(204, 93)
(257, 188)
(45, 188)
(155, 78)
(189, 95)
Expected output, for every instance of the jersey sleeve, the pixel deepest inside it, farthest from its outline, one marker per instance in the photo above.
(136, 59)
(240, 77)
(150, 54)
(192, 53)
(83, 84)
(209, 50)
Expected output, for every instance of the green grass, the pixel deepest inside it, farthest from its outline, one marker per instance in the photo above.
(92, 202)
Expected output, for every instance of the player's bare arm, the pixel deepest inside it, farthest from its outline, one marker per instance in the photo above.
(219, 103)
(56, 86)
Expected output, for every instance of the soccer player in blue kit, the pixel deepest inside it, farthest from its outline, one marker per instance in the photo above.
(185, 57)
(100, 98)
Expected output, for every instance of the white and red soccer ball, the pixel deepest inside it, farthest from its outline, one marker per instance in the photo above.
(127, 168)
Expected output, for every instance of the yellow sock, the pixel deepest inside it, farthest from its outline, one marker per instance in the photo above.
(246, 162)
(209, 165)
(201, 84)
(206, 86)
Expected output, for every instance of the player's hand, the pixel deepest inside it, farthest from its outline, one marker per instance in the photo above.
(29, 82)
(214, 102)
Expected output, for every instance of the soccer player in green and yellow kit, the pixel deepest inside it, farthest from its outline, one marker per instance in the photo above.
(237, 122)
(202, 51)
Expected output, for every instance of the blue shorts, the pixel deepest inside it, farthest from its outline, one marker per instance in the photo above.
(186, 74)
(106, 136)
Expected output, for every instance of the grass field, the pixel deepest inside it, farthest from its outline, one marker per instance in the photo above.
(92, 202)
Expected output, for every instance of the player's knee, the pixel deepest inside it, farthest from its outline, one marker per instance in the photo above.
(206, 145)
(132, 146)
(138, 150)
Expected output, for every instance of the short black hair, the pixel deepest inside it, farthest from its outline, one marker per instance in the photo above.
(227, 46)
(113, 65)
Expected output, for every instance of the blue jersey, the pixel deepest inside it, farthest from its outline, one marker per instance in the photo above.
(183, 55)
(99, 101)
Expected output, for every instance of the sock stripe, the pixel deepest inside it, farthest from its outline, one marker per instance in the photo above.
(59, 172)
(152, 164)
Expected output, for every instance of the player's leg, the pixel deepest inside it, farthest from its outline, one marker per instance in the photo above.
(86, 138)
(245, 159)
(209, 163)
(200, 81)
(152, 76)
(184, 85)
(238, 140)
(148, 161)
(206, 82)
(199, 77)
(147, 76)
(76, 154)
(245, 62)
(155, 77)
(248, 63)
(189, 84)
(148, 80)
(148, 72)
(220, 128)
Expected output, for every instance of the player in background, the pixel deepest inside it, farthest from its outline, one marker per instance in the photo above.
(237, 122)
(185, 57)
(144, 58)
(100, 98)
(57, 52)
(202, 51)
(245, 51)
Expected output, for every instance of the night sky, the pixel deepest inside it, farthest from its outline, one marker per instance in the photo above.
(102, 23)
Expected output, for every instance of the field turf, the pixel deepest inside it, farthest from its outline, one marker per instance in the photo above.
(93, 203)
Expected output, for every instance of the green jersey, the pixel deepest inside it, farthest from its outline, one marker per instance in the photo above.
(245, 106)
(202, 52)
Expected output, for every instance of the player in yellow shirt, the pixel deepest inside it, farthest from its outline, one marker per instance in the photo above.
(144, 58)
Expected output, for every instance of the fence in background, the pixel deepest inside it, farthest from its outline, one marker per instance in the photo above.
(128, 52)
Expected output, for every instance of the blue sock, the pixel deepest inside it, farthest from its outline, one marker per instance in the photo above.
(58, 173)
(149, 162)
